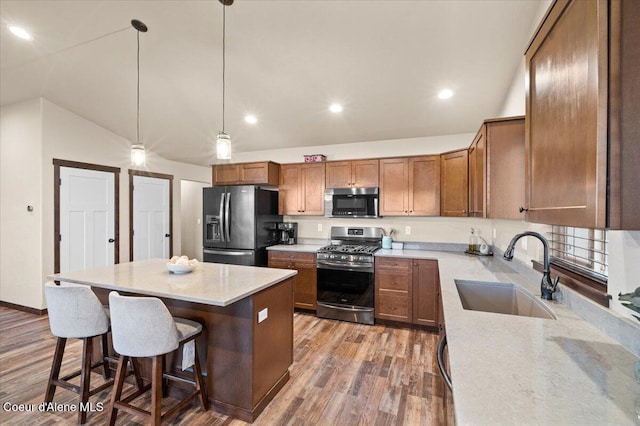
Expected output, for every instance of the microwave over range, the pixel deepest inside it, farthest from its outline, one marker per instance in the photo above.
(351, 202)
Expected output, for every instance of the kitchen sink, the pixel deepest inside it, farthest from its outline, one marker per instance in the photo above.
(501, 298)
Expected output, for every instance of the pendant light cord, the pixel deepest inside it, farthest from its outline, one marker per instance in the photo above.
(223, 59)
(138, 92)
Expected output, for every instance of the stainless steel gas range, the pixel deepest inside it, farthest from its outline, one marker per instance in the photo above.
(346, 274)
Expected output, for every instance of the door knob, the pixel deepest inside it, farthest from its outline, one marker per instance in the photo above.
(167, 235)
(111, 240)
(522, 209)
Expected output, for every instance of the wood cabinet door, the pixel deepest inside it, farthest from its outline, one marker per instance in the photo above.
(305, 286)
(364, 173)
(312, 181)
(289, 190)
(338, 174)
(424, 186)
(264, 172)
(394, 182)
(566, 109)
(505, 169)
(426, 285)
(226, 174)
(305, 282)
(477, 180)
(454, 183)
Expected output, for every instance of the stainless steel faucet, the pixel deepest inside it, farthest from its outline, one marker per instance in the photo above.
(547, 286)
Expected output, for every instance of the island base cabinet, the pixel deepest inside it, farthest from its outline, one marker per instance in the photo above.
(305, 282)
(247, 362)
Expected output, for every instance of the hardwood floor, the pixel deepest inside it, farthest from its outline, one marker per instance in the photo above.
(343, 373)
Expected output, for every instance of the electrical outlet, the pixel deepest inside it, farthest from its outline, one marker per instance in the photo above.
(495, 233)
(263, 315)
(319, 227)
(524, 244)
(198, 221)
(407, 230)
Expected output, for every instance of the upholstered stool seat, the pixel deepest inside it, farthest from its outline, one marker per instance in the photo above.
(144, 327)
(75, 312)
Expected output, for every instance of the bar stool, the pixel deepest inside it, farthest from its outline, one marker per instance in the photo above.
(75, 312)
(144, 327)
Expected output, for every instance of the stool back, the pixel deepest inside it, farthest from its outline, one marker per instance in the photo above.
(74, 311)
(141, 326)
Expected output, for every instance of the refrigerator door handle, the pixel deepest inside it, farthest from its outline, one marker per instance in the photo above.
(222, 218)
(228, 252)
(227, 219)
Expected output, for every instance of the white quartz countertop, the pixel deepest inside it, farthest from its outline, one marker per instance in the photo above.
(508, 369)
(210, 283)
(308, 248)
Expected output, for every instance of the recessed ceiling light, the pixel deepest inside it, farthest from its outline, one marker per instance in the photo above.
(445, 94)
(251, 119)
(20, 32)
(335, 108)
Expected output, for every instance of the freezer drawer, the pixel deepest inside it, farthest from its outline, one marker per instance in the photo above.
(236, 257)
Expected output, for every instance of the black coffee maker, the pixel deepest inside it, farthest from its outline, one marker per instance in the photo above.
(288, 232)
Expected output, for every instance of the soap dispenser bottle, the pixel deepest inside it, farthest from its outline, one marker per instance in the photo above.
(473, 241)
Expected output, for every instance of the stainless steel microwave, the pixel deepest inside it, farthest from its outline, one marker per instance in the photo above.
(351, 202)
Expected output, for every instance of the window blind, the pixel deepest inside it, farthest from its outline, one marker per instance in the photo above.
(580, 249)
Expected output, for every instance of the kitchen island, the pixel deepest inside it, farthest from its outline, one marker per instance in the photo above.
(247, 314)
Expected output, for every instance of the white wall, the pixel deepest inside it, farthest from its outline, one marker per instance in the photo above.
(380, 149)
(62, 135)
(21, 186)
(191, 222)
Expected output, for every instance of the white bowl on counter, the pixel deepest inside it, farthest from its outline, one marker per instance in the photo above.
(180, 269)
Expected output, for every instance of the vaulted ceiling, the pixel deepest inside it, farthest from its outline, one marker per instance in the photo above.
(286, 61)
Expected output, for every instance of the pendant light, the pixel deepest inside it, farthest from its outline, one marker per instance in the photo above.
(138, 156)
(223, 142)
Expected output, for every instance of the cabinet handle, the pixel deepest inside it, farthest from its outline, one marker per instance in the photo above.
(522, 209)
(464, 211)
(405, 211)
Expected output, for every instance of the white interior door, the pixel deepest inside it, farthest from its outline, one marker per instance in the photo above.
(87, 209)
(151, 205)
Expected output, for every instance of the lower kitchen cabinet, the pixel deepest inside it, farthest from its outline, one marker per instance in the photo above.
(407, 290)
(305, 282)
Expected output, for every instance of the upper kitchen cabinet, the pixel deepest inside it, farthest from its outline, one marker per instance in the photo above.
(454, 183)
(496, 169)
(352, 174)
(581, 131)
(265, 172)
(301, 190)
(477, 175)
(410, 186)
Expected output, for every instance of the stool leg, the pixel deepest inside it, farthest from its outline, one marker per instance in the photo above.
(55, 369)
(136, 373)
(117, 391)
(85, 378)
(156, 389)
(165, 382)
(105, 353)
(200, 385)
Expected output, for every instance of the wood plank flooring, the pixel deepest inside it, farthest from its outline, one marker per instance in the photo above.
(343, 373)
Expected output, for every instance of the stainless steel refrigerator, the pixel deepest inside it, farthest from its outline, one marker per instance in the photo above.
(239, 223)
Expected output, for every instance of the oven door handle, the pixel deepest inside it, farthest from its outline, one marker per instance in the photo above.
(343, 308)
(337, 265)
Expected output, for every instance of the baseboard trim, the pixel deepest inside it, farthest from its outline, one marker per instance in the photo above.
(23, 308)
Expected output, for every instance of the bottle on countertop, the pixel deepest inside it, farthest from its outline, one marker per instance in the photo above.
(473, 241)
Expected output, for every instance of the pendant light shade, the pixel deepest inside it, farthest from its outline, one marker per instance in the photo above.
(223, 146)
(138, 155)
(223, 142)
